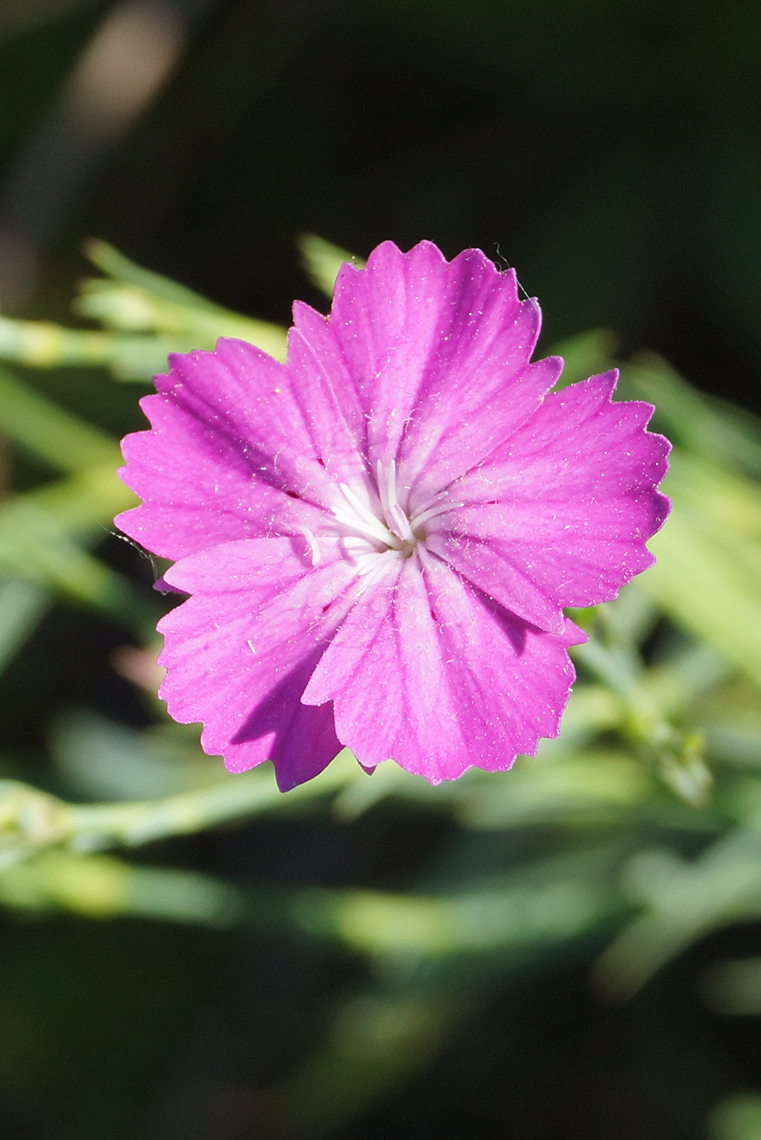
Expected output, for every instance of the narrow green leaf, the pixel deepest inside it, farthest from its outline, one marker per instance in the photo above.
(708, 573)
(322, 261)
(40, 532)
(119, 267)
(22, 604)
(146, 300)
(584, 355)
(60, 438)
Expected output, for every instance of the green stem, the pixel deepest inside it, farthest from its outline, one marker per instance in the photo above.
(31, 820)
(105, 825)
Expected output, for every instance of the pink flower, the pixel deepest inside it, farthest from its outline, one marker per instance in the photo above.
(379, 536)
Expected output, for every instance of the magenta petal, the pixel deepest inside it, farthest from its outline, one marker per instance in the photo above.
(239, 652)
(435, 676)
(327, 394)
(439, 352)
(228, 454)
(560, 516)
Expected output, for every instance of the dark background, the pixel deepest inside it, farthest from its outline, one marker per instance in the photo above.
(609, 149)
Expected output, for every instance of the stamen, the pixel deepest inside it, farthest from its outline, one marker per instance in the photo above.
(432, 512)
(365, 520)
(313, 548)
(392, 496)
(394, 514)
(392, 531)
(382, 489)
(399, 523)
(431, 501)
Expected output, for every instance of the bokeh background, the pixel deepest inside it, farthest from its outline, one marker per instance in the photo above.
(377, 959)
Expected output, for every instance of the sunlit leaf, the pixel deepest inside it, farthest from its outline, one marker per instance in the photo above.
(323, 260)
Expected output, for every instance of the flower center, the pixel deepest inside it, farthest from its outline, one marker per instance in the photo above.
(382, 519)
(374, 522)
(387, 520)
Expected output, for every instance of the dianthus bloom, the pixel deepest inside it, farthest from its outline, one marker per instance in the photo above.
(379, 536)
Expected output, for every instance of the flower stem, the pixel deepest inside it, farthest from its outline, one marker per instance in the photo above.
(31, 820)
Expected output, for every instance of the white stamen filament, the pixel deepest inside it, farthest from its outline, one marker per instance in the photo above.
(314, 550)
(383, 488)
(394, 514)
(365, 520)
(399, 523)
(432, 512)
(389, 527)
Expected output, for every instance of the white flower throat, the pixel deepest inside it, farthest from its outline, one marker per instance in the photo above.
(388, 525)
(374, 524)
